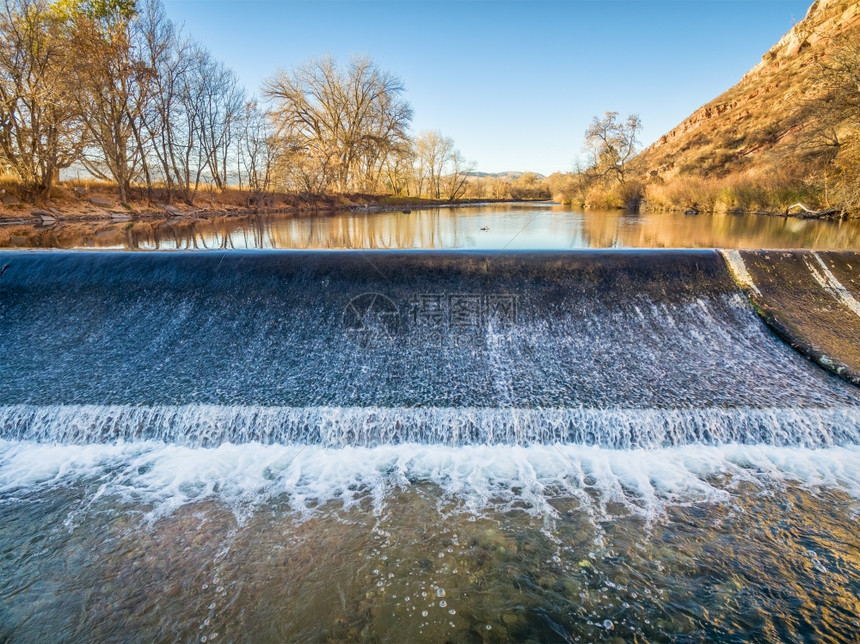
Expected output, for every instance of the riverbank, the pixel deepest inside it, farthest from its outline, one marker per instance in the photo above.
(797, 211)
(789, 192)
(92, 201)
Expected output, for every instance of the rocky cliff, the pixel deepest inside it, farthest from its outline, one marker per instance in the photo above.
(751, 124)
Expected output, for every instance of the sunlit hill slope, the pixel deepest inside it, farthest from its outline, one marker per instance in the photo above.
(765, 143)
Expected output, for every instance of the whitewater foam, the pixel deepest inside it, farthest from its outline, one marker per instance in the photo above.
(160, 477)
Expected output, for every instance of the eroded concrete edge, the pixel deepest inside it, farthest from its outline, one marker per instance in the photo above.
(785, 332)
(832, 285)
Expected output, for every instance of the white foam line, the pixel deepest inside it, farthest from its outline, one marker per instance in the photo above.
(739, 269)
(834, 286)
(483, 478)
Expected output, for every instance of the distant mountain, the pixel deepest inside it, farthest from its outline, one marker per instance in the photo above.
(756, 125)
(504, 176)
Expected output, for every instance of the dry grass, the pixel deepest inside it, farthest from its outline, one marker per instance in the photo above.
(754, 191)
(73, 200)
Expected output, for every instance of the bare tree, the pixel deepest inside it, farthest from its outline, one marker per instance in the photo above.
(440, 170)
(191, 113)
(457, 171)
(836, 121)
(223, 100)
(189, 154)
(114, 85)
(345, 122)
(110, 89)
(39, 129)
(611, 144)
(165, 124)
(432, 151)
(399, 167)
(256, 149)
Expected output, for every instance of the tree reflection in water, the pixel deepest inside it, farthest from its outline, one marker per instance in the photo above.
(509, 226)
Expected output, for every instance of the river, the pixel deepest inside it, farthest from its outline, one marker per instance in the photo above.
(512, 226)
(443, 434)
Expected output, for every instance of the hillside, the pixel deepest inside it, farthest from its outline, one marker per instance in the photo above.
(759, 131)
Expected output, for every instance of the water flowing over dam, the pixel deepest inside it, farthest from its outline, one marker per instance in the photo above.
(462, 446)
(618, 349)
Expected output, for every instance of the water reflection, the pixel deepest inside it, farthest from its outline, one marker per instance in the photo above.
(512, 226)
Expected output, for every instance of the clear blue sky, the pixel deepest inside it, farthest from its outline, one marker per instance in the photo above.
(515, 84)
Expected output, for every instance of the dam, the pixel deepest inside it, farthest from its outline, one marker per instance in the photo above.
(617, 349)
(469, 445)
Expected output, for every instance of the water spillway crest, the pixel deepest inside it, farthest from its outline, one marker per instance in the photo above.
(635, 350)
(617, 349)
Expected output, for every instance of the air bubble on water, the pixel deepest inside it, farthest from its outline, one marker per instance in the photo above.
(206, 622)
(219, 589)
(376, 571)
(203, 639)
(391, 575)
(379, 584)
(440, 592)
(607, 624)
(205, 586)
(423, 594)
(212, 606)
(452, 611)
(626, 605)
(423, 613)
(450, 550)
(213, 636)
(488, 627)
(441, 554)
(443, 603)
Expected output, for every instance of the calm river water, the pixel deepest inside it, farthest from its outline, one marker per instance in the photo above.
(516, 226)
(457, 446)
